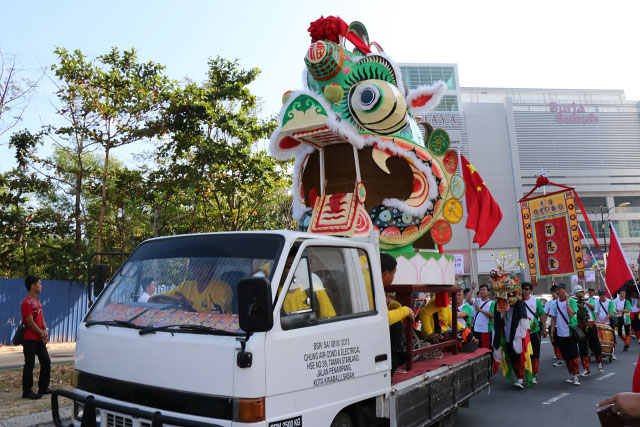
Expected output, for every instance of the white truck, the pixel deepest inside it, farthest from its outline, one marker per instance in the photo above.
(277, 328)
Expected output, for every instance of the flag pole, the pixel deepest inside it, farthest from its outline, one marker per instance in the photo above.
(611, 227)
(594, 262)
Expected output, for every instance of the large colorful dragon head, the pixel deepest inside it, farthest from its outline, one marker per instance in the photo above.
(362, 162)
(505, 288)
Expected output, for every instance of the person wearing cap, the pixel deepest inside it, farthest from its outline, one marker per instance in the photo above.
(537, 317)
(563, 316)
(623, 310)
(591, 331)
(604, 311)
(547, 309)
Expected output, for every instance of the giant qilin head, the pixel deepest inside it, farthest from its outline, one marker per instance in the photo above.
(364, 159)
(506, 289)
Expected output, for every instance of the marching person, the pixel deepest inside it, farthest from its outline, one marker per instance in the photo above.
(547, 309)
(537, 323)
(623, 309)
(483, 321)
(35, 341)
(563, 316)
(591, 331)
(635, 313)
(604, 311)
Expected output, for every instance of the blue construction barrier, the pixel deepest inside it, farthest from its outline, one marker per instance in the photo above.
(64, 306)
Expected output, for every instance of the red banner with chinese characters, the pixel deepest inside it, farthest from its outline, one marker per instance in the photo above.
(552, 235)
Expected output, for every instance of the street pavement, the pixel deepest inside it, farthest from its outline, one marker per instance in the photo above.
(59, 353)
(551, 402)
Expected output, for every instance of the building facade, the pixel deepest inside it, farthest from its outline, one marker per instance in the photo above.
(587, 139)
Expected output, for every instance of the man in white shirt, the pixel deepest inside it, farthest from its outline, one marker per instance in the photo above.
(483, 322)
(563, 318)
(591, 332)
(547, 309)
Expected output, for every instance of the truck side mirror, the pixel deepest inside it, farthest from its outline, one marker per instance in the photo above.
(254, 304)
(100, 273)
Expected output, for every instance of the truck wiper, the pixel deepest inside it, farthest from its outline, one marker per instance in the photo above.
(187, 327)
(125, 323)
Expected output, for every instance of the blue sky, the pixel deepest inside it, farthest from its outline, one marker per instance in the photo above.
(545, 44)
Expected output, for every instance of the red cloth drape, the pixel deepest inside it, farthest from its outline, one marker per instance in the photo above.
(618, 271)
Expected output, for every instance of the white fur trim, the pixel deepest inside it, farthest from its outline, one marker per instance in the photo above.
(437, 90)
(275, 137)
(521, 333)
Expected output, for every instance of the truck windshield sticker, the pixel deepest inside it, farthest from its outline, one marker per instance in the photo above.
(289, 422)
(332, 361)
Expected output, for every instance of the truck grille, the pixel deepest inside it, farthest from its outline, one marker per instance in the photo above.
(113, 420)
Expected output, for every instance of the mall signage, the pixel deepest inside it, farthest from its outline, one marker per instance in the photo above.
(572, 113)
(441, 119)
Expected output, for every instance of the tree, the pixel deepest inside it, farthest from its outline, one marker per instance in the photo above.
(117, 98)
(15, 93)
(211, 160)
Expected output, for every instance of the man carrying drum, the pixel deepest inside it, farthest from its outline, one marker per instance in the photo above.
(591, 331)
(603, 312)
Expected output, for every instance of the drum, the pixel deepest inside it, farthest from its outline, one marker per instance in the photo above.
(605, 335)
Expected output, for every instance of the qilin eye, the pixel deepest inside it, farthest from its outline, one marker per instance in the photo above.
(368, 97)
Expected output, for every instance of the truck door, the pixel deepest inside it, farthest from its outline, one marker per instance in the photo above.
(330, 343)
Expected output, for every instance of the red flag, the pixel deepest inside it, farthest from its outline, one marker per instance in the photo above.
(618, 271)
(483, 212)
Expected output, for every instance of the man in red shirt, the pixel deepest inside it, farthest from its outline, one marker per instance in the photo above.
(35, 339)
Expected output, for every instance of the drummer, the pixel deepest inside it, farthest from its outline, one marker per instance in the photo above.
(604, 311)
(591, 331)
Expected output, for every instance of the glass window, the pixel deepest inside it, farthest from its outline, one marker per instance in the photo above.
(330, 283)
(190, 280)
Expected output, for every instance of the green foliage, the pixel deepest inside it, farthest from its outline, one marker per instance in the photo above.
(583, 314)
(207, 173)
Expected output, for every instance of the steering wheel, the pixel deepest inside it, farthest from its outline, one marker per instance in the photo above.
(165, 299)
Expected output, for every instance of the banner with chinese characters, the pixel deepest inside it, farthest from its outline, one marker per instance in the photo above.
(552, 235)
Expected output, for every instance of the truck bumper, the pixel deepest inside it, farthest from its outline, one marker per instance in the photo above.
(92, 405)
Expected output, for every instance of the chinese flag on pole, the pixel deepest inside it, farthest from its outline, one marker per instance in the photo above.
(483, 211)
(618, 271)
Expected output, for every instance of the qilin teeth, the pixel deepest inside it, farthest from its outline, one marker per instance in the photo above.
(380, 158)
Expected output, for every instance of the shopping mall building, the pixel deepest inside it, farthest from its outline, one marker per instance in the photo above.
(584, 138)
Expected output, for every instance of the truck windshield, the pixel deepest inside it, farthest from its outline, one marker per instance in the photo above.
(186, 280)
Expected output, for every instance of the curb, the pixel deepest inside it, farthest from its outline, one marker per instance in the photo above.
(50, 346)
(37, 419)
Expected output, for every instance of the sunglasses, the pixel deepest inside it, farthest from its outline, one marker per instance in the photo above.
(527, 289)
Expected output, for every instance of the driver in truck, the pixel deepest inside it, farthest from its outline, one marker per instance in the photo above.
(203, 293)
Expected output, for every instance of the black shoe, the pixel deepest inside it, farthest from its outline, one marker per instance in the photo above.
(45, 391)
(31, 395)
(626, 348)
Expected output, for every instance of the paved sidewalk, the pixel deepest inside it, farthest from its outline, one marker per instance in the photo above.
(37, 419)
(50, 346)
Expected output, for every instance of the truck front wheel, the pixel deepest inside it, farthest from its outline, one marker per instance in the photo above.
(343, 419)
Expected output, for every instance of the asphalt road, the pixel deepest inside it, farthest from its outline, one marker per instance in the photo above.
(551, 402)
(14, 359)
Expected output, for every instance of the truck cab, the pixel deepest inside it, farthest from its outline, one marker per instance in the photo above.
(182, 358)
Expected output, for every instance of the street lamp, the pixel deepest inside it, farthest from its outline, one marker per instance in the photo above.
(603, 210)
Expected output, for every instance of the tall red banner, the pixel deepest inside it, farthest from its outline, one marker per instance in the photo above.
(552, 235)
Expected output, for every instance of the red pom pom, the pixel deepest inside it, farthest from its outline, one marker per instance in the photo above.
(542, 180)
(329, 28)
